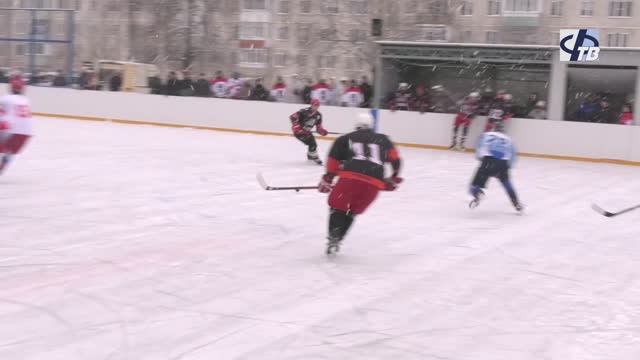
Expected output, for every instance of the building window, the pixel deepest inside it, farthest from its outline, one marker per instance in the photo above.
(305, 6)
(253, 30)
(302, 60)
(254, 4)
(494, 7)
(522, 5)
(358, 7)
(467, 8)
(466, 36)
(283, 7)
(283, 33)
(620, 8)
(586, 8)
(327, 62)
(492, 37)
(253, 56)
(25, 49)
(357, 35)
(617, 40)
(331, 7)
(327, 34)
(432, 33)
(304, 33)
(279, 59)
(556, 7)
(438, 7)
(351, 63)
(412, 7)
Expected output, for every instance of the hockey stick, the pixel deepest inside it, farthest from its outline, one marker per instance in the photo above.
(296, 188)
(330, 133)
(612, 214)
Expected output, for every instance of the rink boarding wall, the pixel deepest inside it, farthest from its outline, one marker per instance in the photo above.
(543, 138)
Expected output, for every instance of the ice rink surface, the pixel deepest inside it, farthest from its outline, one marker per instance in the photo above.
(146, 243)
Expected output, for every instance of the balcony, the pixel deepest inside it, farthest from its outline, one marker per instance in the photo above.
(522, 13)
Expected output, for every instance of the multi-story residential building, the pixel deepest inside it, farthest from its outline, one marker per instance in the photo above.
(311, 38)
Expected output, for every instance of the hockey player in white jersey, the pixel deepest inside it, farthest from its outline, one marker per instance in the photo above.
(15, 122)
(497, 154)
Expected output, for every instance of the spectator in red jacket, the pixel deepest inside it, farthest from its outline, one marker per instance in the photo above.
(626, 118)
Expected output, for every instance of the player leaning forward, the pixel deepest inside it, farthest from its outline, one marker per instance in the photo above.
(358, 159)
(302, 123)
(15, 122)
(497, 154)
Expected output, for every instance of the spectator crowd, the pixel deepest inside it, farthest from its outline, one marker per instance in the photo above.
(595, 108)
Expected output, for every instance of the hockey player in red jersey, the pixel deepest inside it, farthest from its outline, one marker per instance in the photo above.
(303, 122)
(15, 121)
(358, 159)
(467, 112)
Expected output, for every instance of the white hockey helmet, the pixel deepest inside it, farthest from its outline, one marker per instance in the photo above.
(507, 97)
(474, 95)
(364, 121)
(541, 104)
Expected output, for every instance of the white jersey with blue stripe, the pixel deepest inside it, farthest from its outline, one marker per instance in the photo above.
(496, 145)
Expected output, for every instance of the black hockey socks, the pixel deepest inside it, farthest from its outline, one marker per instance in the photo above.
(4, 161)
(339, 223)
(512, 193)
(455, 135)
(463, 137)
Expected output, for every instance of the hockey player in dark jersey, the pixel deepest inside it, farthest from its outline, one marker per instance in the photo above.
(303, 122)
(358, 159)
(500, 111)
(467, 112)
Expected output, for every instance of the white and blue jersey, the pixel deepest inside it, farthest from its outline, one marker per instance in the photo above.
(496, 145)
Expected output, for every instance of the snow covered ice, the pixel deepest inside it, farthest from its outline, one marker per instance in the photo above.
(128, 242)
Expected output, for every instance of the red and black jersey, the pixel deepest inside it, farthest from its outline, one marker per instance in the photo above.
(499, 110)
(361, 155)
(307, 118)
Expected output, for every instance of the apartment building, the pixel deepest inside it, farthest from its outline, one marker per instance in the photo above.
(310, 38)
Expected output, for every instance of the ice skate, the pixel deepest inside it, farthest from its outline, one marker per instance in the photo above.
(314, 157)
(476, 199)
(519, 208)
(333, 246)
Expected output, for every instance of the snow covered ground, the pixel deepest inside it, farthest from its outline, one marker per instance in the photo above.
(144, 243)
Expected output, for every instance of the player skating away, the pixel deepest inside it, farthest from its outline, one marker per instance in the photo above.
(467, 112)
(497, 154)
(15, 122)
(303, 122)
(358, 159)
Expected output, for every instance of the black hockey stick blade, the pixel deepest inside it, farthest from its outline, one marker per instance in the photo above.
(612, 214)
(271, 188)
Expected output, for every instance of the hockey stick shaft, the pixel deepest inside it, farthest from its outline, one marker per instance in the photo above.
(612, 214)
(264, 185)
(291, 188)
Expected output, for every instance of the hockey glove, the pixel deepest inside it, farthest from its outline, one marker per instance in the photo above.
(392, 183)
(297, 130)
(325, 183)
(322, 131)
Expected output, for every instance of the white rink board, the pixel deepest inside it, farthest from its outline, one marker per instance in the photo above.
(132, 242)
(558, 138)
